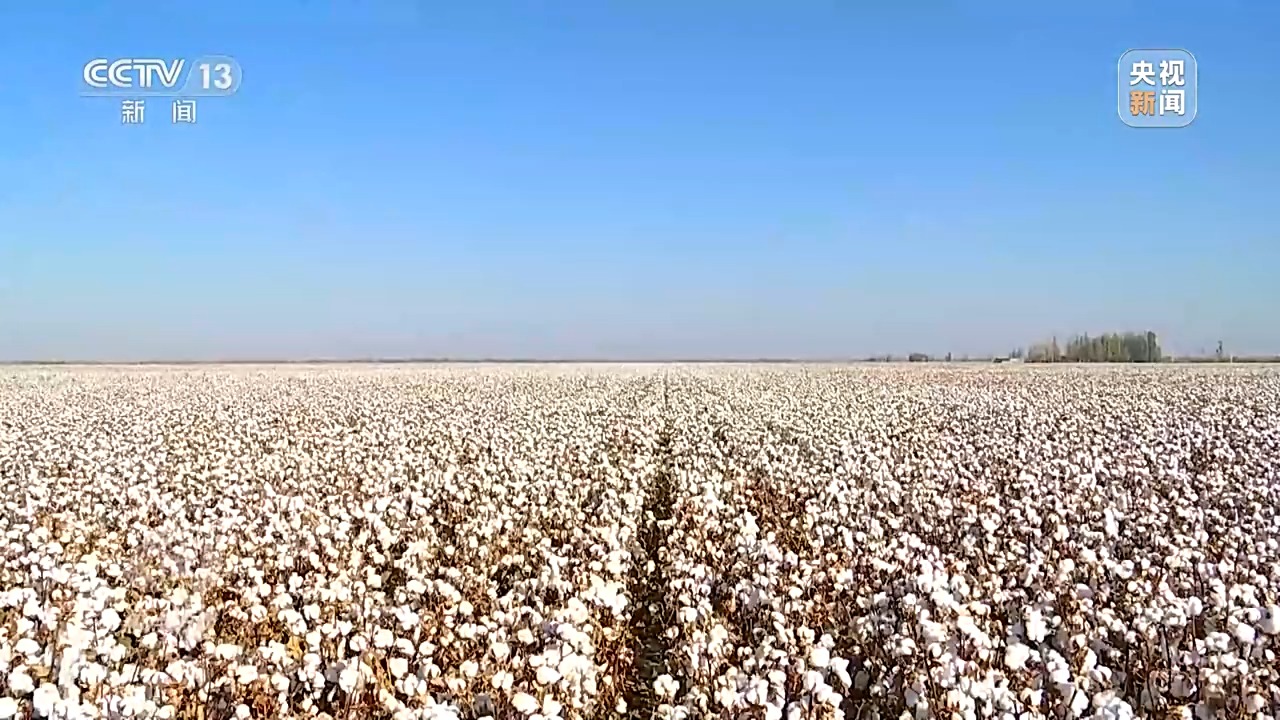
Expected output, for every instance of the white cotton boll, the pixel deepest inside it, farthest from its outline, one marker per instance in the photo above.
(502, 680)
(1016, 656)
(551, 707)
(905, 647)
(348, 677)
(45, 700)
(91, 674)
(227, 651)
(383, 638)
(246, 674)
(812, 681)
(1089, 662)
(1217, 641)
(1079, 703)
(470, 668)
(109, 620)
(547, 675)
(827, 696)
(398, 667)
(243, 712)
(1036, 627)
(666, 687)
(819, 657)
(525, 703)
(20, 683)
(1244, 634)
(1195, 606)
(1270, 623)
(8, 708)
(578, 613)
(840, 667)
(727, 697)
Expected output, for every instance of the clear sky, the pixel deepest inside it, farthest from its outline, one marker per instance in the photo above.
(635, 179)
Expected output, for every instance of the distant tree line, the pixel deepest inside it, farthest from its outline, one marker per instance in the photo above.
(1109, 347)
(1126, 347)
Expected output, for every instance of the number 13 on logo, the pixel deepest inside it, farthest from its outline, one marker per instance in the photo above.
(214, 75)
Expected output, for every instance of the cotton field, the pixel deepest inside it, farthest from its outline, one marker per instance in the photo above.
(650, 541)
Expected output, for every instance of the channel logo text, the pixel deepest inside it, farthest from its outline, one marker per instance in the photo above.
(209, 75)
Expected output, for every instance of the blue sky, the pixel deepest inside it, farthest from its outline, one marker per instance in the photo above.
(635, 179)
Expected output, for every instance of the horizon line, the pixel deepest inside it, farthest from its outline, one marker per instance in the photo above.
(1264, 358)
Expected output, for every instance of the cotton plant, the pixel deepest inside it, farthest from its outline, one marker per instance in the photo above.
(681, 541)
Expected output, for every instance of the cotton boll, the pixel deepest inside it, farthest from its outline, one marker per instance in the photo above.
(1036, 628)
(525, 703)
(246, 674)
(1270, 622)
(502, 680)
(348, 678)
(547, 675)
(398, 666)
(45, 700)
(20, 682)
(1016, 656)
(227, 651)
(1244, 634)
(666, 687)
